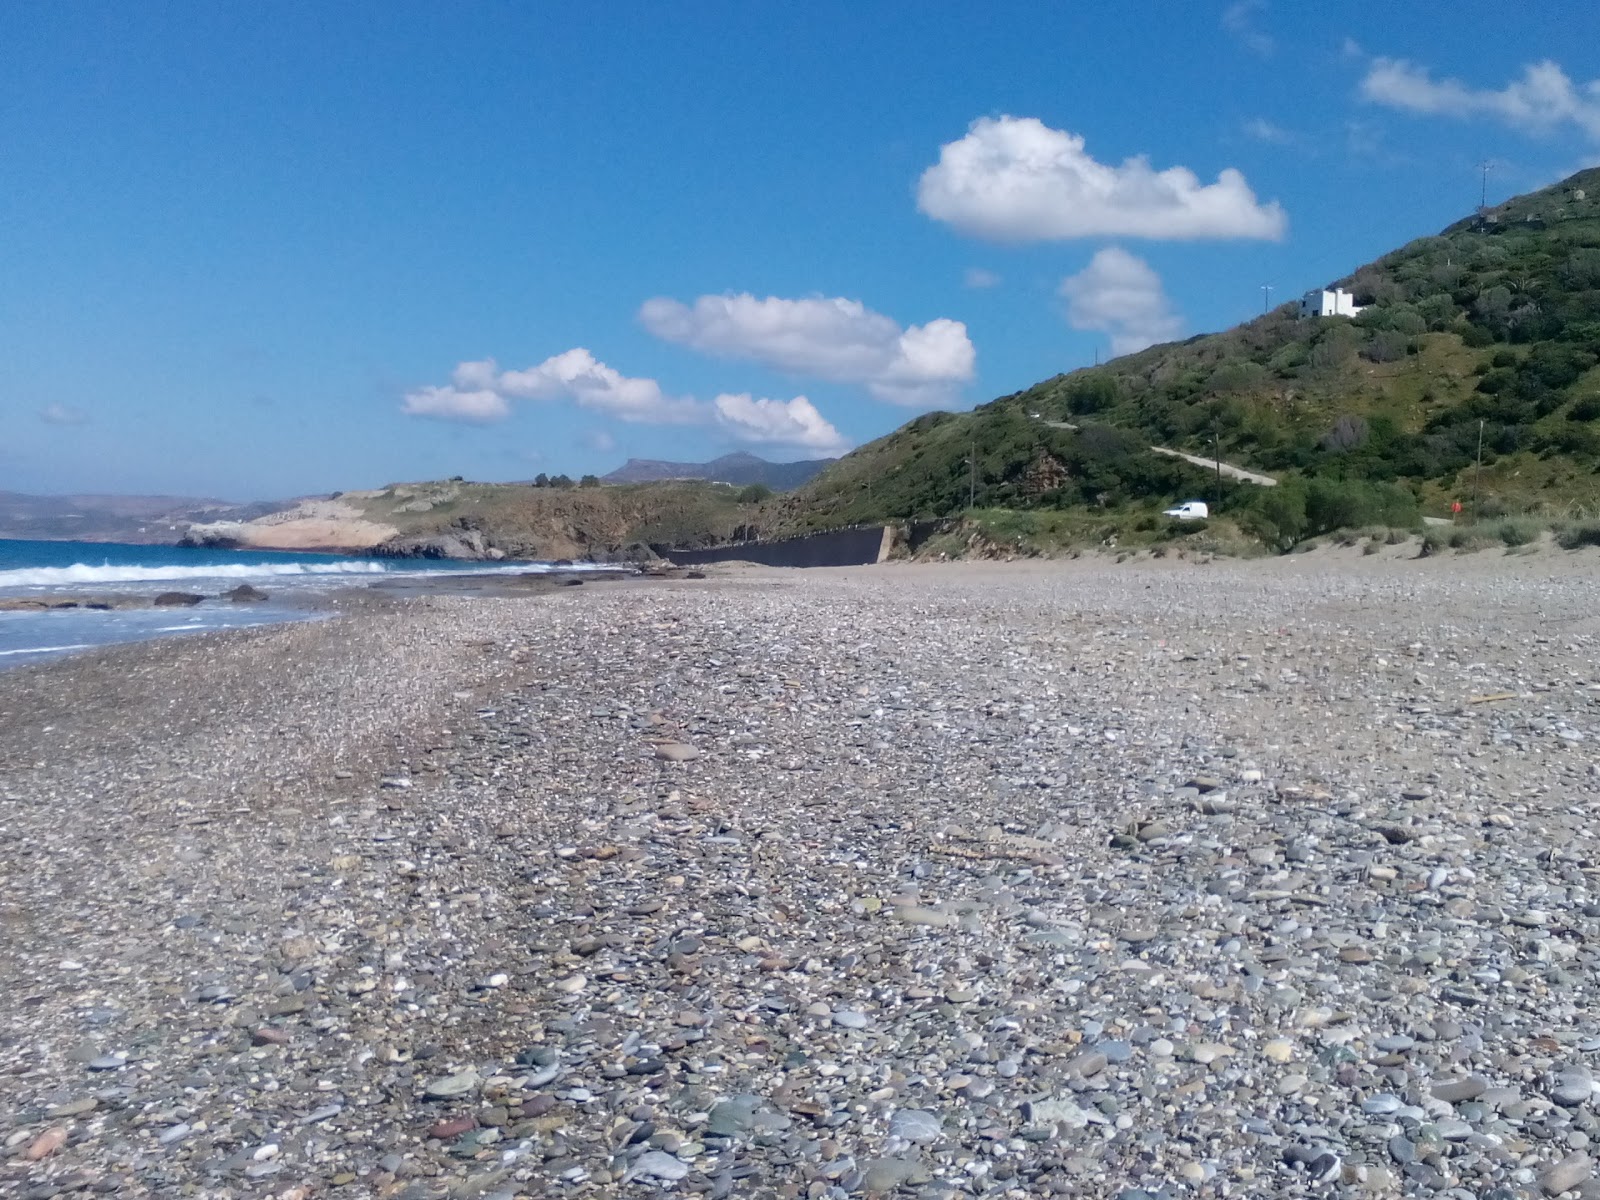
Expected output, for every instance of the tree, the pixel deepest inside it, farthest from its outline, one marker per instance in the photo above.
(589, 481)
(541, 480)
(561, 481)
(755, 493)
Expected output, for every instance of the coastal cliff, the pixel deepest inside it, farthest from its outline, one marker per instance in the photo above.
(456, 519)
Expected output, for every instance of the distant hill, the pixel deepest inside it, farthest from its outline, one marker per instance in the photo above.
(1492, 327)
(91, 518)
(740, 469)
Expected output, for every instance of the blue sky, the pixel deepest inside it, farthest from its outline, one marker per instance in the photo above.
(253, 251)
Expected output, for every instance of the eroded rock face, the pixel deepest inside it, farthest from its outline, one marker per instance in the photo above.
(245, 594)
(469, 544)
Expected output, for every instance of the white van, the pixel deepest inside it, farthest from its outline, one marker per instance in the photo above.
(1189, 510)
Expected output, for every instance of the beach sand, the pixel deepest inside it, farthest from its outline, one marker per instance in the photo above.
(1012, 879)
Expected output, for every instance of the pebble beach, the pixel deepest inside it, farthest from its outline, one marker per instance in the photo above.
(1092, 879)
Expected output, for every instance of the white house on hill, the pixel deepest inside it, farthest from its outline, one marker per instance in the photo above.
(1323, 303)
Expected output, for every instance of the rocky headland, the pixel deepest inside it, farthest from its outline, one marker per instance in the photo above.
(1152, 880)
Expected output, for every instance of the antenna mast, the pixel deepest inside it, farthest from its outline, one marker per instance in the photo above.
(1266, 298)
(1483, 195)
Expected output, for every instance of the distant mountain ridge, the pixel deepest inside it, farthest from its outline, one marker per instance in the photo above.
(111, 518)
(740, 469)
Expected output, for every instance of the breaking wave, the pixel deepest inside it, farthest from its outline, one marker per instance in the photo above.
(84, 573)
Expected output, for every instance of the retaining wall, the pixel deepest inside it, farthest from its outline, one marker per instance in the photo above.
(836, 548)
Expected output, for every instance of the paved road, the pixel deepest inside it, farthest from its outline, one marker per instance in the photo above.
(1210, 464)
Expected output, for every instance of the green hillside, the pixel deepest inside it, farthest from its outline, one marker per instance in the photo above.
(1491, 326)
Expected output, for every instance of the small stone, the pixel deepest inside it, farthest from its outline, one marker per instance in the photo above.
(269, 1036)
(1567, 1174)
(915, 915)
(1057, 1112)
(1571, 1095)
(657, 1164)
(452, 1127)
(1466, 1088)
(1279, 1050)
(46, 1144)
(677, 752)
(450, 1086)
(75, 1108)
(848, 1019)
(916, 1125)
(572, 984)
(886, 1174)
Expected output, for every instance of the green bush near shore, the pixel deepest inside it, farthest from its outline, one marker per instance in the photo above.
(1578, 535)
(1519, 531)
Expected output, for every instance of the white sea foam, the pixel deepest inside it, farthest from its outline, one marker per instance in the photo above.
(47, 649)
(84, 573)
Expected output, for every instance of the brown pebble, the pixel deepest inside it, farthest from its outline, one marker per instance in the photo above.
(453, 1127)
(46, 1144)
(267, 1036)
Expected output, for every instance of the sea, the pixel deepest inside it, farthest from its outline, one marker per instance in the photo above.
(291, 579)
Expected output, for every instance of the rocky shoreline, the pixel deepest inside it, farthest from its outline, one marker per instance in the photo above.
(1251, 879)
(244, 593)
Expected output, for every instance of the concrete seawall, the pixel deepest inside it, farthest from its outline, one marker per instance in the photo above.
(835, 548)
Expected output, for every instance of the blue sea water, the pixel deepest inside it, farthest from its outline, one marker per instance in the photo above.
(290, 578)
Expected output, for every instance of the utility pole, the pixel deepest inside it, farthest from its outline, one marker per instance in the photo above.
(1216, 448)
(1476, 472)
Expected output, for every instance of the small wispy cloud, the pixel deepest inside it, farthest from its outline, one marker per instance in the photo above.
(480, 393)
(1544, 99)
(598, 440)
(827, 337)
(1263, 130)
(980, 278)
(1239, 20)
(63, 414)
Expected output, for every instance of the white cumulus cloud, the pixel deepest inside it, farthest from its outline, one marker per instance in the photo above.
(760, 422)
(578, 374)
(1543, 99)
(1015, 179)
(480, 392)
(835, 339)
(1120, 294)
(477, 406)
